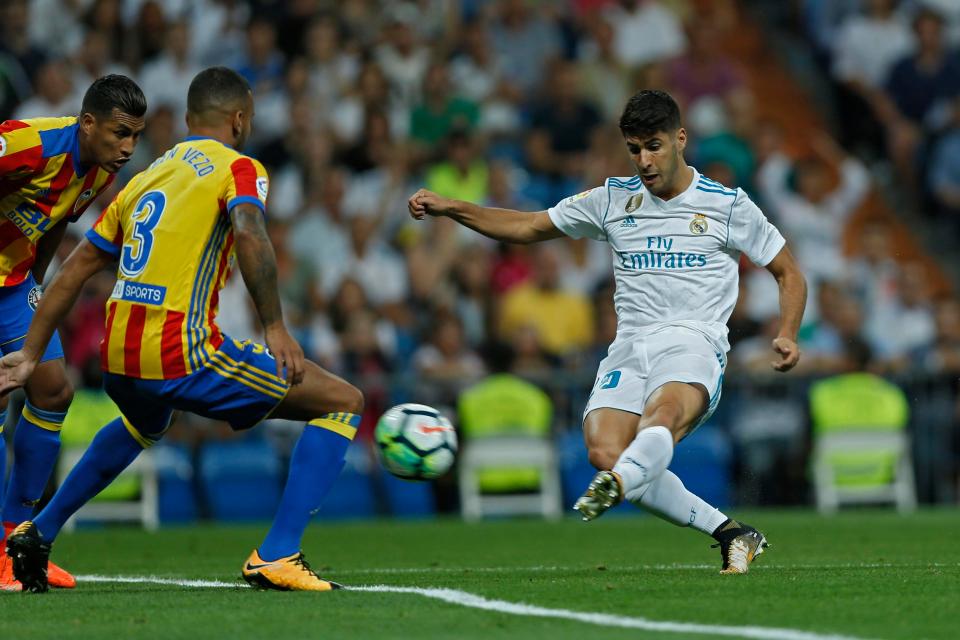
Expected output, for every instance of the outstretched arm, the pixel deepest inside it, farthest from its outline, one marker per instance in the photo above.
(500, 224)
(793, 300)
(258, 265)
(57, 300)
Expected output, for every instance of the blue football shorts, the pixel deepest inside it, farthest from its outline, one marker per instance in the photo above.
(17, 305)
(238, 384)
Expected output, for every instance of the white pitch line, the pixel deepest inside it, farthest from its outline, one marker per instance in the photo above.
(473, 601)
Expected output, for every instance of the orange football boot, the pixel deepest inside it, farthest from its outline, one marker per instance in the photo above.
(7, 581)
(56, 577)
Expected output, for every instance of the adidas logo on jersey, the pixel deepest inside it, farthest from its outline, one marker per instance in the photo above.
(629, 221)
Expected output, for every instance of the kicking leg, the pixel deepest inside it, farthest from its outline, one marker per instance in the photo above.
(643, 445)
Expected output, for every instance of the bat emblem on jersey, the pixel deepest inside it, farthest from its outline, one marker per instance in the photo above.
(86, 195)
(699, 224)
(634, 203)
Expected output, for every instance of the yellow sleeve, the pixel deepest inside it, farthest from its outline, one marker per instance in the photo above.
(21, 150)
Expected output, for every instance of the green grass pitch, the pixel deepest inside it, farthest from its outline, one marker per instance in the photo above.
(863, 574)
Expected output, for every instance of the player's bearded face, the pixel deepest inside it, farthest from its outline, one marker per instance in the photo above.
(657, 159)
(112, 140)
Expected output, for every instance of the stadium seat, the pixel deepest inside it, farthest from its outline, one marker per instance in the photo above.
(508, 464)
(352, 495)
(703, 461)
(241, 480)
(177, 500)
(408, 499)
(861, 447)
(576, 472)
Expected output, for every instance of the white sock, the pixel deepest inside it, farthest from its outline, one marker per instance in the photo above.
(645, 458)
(667, 498)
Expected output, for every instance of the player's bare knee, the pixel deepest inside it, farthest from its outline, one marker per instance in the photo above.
(352, 399)
(54, 400)
(603, 457)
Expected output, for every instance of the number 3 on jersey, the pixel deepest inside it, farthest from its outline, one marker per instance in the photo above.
(146, 216)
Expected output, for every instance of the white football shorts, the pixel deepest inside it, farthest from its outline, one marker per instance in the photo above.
(638, 364)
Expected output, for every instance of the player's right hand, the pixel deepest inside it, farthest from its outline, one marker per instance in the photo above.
(287, 352)
(427, 203)
(15, 370)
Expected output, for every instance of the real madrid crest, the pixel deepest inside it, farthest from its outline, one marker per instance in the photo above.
(634, 203)
(699, 224)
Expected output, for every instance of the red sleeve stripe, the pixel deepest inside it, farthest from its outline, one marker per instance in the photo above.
(105, 343)
(30, 158)
(171, 346)
(133, 339)
(244, 177)
(12, 125)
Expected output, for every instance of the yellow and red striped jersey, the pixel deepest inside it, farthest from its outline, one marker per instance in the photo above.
(171, 230)
(41, 183)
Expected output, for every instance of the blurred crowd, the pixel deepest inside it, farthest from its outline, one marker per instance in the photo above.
(514, 103)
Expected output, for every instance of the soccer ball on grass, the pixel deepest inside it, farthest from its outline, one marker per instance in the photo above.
(416, 442)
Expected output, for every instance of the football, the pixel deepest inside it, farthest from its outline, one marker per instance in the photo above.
(416, 442)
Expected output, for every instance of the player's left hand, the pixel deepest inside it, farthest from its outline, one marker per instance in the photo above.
(789, 354)
(287, 352)
(15, 370)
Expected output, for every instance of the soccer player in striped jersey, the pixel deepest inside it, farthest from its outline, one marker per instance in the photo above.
(51, 169)
(175, 229)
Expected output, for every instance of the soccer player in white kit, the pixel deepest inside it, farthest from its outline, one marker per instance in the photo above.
(676, 238)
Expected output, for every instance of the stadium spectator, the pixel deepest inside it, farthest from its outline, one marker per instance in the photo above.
(910, 311)
(562, 126)
(606, 81)
(814, 215)
(54, 95)
(916, 93)
(15, 38)
(332, 66)
(562, 319)
(865, 48)
(463, 174)
(943, 179)
(645, 32)
(166, 77)
(481, 75)
(440, 111)
(403, 57)
(527, 38)
(703, 71)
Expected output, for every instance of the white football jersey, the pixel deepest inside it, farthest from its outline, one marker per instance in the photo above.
(674, 261)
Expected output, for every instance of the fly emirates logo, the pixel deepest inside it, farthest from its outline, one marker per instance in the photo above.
(660, 255)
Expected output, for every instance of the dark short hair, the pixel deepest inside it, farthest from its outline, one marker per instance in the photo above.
(216, 89)
(111, 92)
(648, 112)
